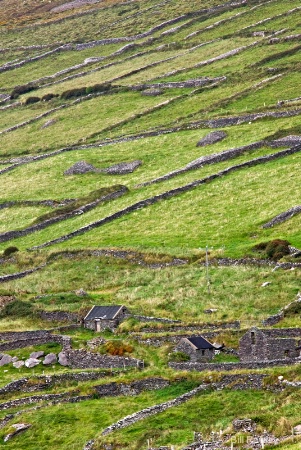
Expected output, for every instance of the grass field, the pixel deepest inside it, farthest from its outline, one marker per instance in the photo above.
(249, 55)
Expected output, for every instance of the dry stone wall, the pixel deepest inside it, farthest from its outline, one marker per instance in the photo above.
(81, 359)
(9, 235)
(171, 193)
(220, 367)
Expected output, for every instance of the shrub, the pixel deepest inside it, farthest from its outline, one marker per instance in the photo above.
(17, 308)
(23, 89)
(48, 97)
(31, 100)
(9, 250)
(98, 88)
(277, 248)
(118, 348)
(179, 357)
(71, 93)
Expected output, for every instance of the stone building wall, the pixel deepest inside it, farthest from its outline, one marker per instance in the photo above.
(258, 345)
(195, 355)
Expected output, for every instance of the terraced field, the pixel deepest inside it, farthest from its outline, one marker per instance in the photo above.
(147, 150)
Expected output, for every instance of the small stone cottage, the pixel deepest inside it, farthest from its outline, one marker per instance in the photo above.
(198, 348)
(261, 345)
(100, 318)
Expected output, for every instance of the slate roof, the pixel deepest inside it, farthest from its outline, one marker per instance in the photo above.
(199, 342)
(103, 312)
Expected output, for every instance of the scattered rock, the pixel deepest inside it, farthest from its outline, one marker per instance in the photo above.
(210, 310)
(212, 138)
(15, 358)
(63, 360)
(297, 429)
(48, 123)
(123, 168)
(287, 140)
(51, 358)
(266, 283)
(152, 92)
(80, 167)
(81, 293)
(246, 425)
(18, 364)
(32, 362)
(19, 427)
(6, 359)
(36, 355)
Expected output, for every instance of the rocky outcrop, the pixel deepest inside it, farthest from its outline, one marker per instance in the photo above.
(122, 168)
(282, 217)
(80, 167)
(212, 138)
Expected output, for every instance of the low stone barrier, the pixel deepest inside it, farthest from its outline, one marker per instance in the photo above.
(201, 367)
(169, 194)
(15, 276)
(199, 328)
(9, 235)
(81, 359)
(59, 316)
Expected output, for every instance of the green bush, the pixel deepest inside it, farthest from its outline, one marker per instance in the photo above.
(17, 308)
(98, 88)
(31, 100)
(179, 357)
(71, 93)
(9, 250)
(48, 97)
(23, 89)
(277, 248)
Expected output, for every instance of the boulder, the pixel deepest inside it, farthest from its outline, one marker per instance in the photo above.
(6, 359)
(36, 355)
(81, 292)
(297, 429)
(32, 362)
(212, 138)
(18, 364)
(152, 92)
(123, 168)
(63, 360)
(19, 427)
(80, 167)
(51, 358)
(48, 123)
(245, 425)
(15, 358)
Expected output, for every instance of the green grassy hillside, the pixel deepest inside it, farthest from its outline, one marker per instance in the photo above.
(110, 82)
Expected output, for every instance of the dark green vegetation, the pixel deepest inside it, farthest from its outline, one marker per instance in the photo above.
(130, 95)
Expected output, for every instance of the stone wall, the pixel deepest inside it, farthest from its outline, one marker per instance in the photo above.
(150, 319)
(31, 338)
(197, 328)
(169, 194)
(202, 367)
(133, 388)
(81, 359)
(59, 316)
(9, 235)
